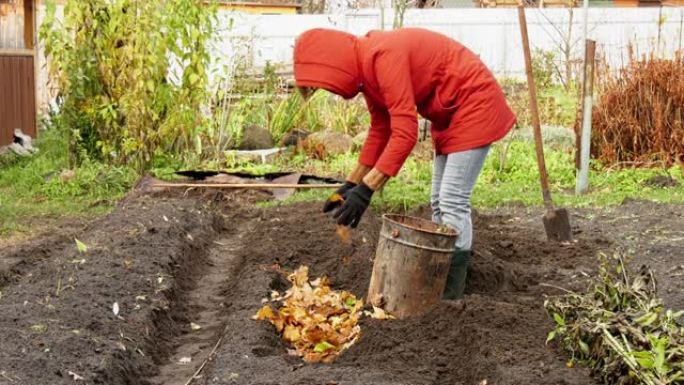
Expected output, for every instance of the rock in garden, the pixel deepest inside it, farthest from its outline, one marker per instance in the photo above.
(661, 181)
(331, 142)
(256, 138)
(294, 137)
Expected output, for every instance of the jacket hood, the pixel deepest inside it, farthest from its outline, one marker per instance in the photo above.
(328, 59)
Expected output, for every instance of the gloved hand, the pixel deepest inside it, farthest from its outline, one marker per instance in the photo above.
(355, 204)
(333, 203)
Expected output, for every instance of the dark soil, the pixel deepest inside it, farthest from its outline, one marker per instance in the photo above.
(496, 334)
(56, 312)
(205, 258)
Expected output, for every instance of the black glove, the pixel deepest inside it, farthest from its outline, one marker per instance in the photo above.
(355, 204)
(331, 204)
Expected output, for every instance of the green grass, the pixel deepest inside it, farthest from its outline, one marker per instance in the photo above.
(510, 177)
(32, 187)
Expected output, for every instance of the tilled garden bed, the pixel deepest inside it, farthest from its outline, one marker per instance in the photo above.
(188, 273)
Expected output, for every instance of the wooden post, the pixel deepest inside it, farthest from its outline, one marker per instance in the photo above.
(29, 24)
(584, 147)
(590, 54)
(534, 111)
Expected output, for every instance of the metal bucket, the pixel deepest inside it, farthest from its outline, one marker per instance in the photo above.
(411, 265)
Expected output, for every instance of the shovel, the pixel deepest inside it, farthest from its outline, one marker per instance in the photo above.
(556, 220)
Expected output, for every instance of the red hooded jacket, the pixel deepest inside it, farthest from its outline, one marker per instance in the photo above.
(402, 73)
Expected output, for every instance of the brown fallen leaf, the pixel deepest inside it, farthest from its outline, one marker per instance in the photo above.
(379, 313)
(322, 281)
(291, 333)
(266, 312)
(344, 233)
(300, 276)
(315, 335)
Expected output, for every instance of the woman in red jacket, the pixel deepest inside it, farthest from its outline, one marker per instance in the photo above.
(401, 74)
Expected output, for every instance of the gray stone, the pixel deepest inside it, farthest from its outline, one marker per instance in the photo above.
(331, 142)
(256, 138)
(294, 137)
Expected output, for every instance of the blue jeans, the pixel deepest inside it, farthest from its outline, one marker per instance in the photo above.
(453, 178)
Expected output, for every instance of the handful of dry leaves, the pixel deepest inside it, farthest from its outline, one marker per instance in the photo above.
(317, 321)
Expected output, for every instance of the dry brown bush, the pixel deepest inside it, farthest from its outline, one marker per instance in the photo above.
(639, 117)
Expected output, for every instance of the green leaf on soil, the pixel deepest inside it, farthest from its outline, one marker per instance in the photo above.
(551, 336)
(323, 347)
(350, 302)
(659, 345)
(583, 347)
(559, 320)
(81, 246)
(645, 359)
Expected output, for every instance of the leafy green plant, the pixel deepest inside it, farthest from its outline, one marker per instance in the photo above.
(620, 328)
(285, 115)
(557, 106)
(132, 75)
(544, 68)
(325, 110)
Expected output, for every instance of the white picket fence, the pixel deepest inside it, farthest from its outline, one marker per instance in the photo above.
(491, 33)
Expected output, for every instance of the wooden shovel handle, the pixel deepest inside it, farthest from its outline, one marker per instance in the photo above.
(538, 143)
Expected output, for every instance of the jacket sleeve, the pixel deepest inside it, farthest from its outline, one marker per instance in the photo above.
(378, 134)
(393, 74)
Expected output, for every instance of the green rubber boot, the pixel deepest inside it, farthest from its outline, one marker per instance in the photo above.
(456, 280)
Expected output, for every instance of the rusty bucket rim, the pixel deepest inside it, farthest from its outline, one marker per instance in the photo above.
(390, 218)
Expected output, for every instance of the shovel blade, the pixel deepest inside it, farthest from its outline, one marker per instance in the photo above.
(557, 225)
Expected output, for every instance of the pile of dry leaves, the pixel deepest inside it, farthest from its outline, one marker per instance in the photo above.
(317, 321)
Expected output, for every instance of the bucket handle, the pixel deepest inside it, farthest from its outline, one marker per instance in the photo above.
(410, 244)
